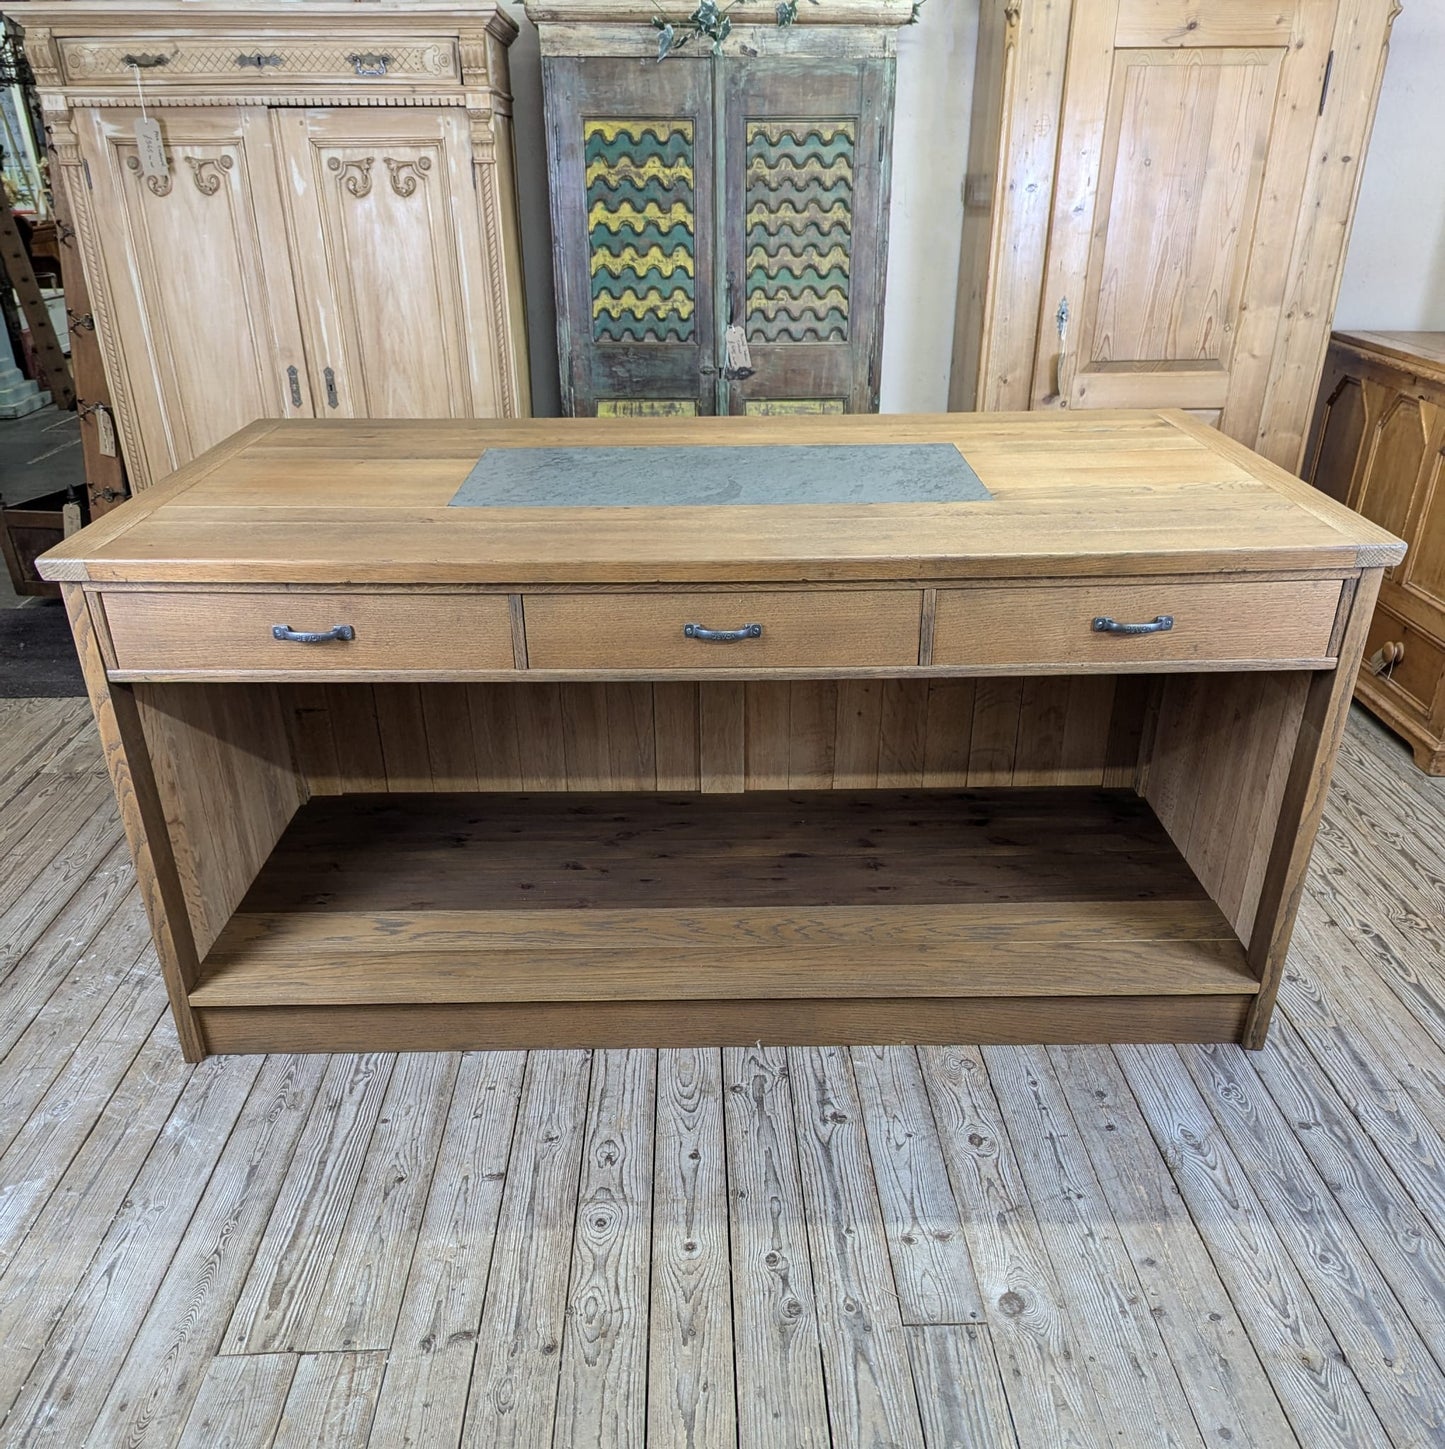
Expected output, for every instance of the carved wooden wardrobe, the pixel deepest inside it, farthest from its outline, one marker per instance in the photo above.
(332, 233)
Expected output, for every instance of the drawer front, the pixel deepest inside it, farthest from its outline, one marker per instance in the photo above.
(1054, 626)
(845, 629)
(258, 62)
(392, 633)
(1413, 680)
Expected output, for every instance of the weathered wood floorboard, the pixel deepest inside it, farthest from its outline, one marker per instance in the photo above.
(740, 1249)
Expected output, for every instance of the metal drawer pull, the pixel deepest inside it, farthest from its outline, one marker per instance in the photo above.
(1105, 625)
(145, 61)
(722, 636)
(369, 65)
(300, 636)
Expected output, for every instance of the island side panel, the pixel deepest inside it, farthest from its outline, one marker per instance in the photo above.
(223, 766)
(1326, 708)
(1237, 773)
(142, 814)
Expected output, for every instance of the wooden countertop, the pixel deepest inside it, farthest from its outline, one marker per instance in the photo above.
(1414, 349)
(365, 502)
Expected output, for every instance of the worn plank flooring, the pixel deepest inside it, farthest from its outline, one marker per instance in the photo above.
(748, 1249)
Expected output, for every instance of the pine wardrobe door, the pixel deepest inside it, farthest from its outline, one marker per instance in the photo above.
(804, 223)
(631, 159)
(1185, 147)
(204, 335)
(387, 243)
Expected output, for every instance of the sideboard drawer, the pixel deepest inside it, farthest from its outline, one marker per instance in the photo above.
(257, 60)
(1208, 622)
(391, 633)
(841, 629)
(1412, 681)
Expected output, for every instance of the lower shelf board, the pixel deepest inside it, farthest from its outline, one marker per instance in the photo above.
(570, 919)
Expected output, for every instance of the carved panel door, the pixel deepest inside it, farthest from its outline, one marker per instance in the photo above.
(391, 267)
(1182, 160)
(807, 200)
(631, 150)
(194, 273)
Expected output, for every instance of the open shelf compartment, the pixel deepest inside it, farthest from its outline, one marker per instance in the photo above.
(725, 917)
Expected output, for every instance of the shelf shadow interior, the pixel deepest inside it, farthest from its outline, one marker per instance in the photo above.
(780, 898)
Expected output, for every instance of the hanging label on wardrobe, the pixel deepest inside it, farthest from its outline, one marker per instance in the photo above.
(105, 431)
(150, 147)
(735, 340)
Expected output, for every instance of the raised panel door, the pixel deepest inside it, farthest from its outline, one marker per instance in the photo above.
(630, 149)
(1424, 565)
(201, 288)
(1182, 163)
(803, 221)
(386, 234)
(1337, 436)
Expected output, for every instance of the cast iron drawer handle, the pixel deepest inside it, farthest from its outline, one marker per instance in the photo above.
(1162, 625)
(722, 636)
(300, 636)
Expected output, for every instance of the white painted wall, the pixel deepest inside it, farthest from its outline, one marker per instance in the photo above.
(930, 154)
(1394, 274)
(1395, 268)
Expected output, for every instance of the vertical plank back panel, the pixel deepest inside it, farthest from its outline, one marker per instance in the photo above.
(720, 735)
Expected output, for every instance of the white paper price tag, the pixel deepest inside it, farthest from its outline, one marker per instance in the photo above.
(105, 432)
(150, 147)
(736, 342)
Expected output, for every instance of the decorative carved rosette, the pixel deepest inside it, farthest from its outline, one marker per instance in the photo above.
(208, 172)
(406, 175)
(354, 174)
(158, 185)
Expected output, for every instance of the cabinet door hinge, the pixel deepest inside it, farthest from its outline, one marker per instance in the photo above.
(1325, 88)
(85, 166)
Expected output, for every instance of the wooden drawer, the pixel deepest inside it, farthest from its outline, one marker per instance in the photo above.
(370, 61)
(800, 630)
(394, 633)
(1212, 623)
(1413, 681)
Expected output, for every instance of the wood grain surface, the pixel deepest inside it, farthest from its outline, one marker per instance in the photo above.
(267, 509)
(1172, 1243)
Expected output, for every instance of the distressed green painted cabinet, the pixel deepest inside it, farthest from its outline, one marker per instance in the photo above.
(712, 201)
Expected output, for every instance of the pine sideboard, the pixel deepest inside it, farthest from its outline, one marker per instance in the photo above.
(335, 233)
(1378, 445)
(1041, 767)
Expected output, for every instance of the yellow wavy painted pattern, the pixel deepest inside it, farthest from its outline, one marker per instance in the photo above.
(653, 169)
(825, 131)
(653, 259)
(774, 171)
(806, 301)
(800, 257)
(651, 303)
(610, 130)
(614, 218)
(837, 212)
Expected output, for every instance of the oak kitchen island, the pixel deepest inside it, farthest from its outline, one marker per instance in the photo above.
(980, 728)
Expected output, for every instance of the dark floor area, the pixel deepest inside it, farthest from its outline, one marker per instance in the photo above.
(38, 455)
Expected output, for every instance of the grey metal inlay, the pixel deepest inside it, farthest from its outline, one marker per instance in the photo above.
(667, 477)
